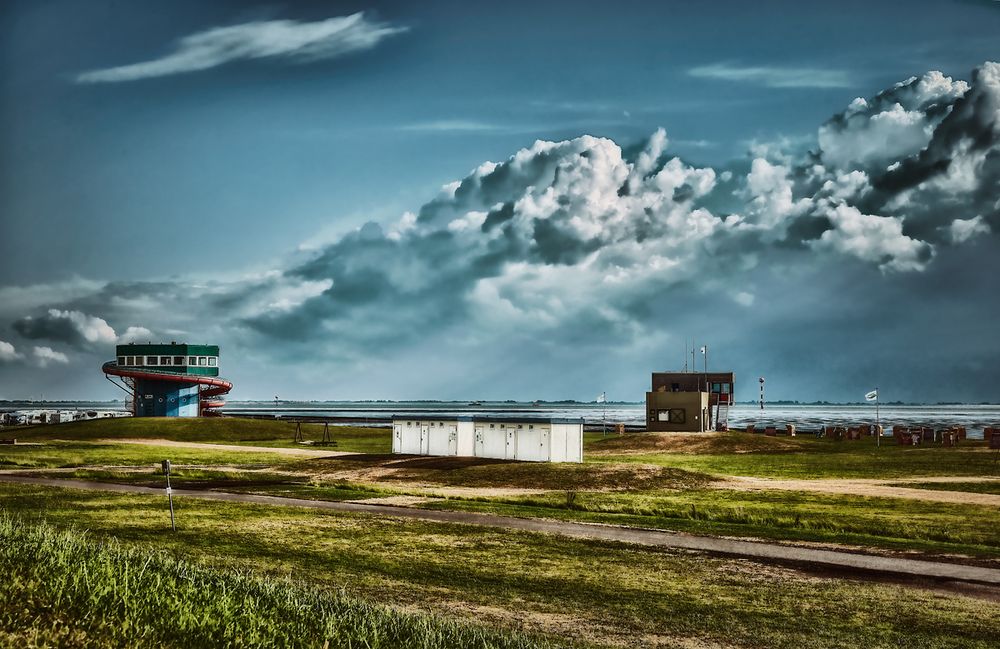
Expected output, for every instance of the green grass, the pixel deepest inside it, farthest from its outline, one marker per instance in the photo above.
(587, 591)
(63, 588)
(969, 487)
(218, 430)
(57, 454)
(890, 523)
(800, 457)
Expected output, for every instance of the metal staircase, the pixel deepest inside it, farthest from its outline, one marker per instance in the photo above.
(722, 415)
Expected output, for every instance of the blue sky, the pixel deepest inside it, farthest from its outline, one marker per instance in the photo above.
(207, 170)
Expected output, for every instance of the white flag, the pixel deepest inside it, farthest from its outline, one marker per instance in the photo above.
(601, 398)
(872, 396)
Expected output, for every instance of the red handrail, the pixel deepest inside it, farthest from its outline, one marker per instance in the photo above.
(217, 387)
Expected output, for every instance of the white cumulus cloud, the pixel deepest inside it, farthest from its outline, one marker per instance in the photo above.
(8, 353)
(44, 356)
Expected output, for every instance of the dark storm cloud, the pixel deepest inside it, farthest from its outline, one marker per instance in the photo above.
(68, 327)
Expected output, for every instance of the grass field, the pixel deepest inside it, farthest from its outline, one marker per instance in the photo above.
(587, 592)
(799, 457)
(888, 523)
(218, 430)
(68, 589)
(583, 592)
(968, 487)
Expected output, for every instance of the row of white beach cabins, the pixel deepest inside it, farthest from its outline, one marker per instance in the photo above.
(530, 439)
(40, 416)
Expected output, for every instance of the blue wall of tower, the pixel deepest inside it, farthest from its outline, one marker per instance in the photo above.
(166, 399)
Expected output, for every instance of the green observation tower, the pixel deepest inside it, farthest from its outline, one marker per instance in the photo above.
(169, 380)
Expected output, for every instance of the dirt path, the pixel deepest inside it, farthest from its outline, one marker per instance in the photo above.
(733, 547)
(299, 452)
(869, 487)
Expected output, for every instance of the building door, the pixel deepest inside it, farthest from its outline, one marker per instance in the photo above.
(452, 440)
(511, 436)
(479, 447)
(425, 440)
(397, 439)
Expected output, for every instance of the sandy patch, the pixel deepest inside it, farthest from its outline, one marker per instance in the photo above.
(395, 501)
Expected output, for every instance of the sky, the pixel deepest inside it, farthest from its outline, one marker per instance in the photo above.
(523, 200)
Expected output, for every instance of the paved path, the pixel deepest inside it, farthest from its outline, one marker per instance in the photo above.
(883, 488)
(750, 549)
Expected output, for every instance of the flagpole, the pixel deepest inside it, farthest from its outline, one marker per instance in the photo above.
(604, 414)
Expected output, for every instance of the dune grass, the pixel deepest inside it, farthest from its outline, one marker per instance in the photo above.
(64, 588)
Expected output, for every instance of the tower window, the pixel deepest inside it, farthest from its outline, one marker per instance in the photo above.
(192, 360)
(178, 360)
(152, 360)
(212, 361)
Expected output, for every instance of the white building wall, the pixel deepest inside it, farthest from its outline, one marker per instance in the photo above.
(511, 440)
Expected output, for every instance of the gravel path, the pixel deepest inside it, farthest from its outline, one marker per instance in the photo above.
(749, 549)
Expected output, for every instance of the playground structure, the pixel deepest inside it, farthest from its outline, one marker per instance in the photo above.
(169, 380)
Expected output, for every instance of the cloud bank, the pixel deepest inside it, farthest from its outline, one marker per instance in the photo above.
(274, 39)
(774, 76)
(582, 249)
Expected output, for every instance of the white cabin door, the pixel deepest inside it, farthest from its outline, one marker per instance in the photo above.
(479, 448)
(511, 436)
(452, 440)
(397, 439)
(425, 440)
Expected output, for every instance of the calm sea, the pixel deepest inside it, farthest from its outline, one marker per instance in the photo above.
(973, 417)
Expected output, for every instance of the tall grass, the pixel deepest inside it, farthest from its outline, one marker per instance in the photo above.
(61, 588)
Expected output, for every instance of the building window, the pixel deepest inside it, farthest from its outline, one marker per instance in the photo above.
(192, 360)
(178, 360)
(121, 360)
(202, 361)
(130, 360)
(152, 360)
(212, 361)
(673, 415)
(726, 387)
(165, 360)
(530, 426)
(716, 388)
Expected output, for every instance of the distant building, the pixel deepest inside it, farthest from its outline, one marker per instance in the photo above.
(175, 380)
(689, 401)
(530, 439)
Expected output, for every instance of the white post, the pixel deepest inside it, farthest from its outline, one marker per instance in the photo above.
(878, 436)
